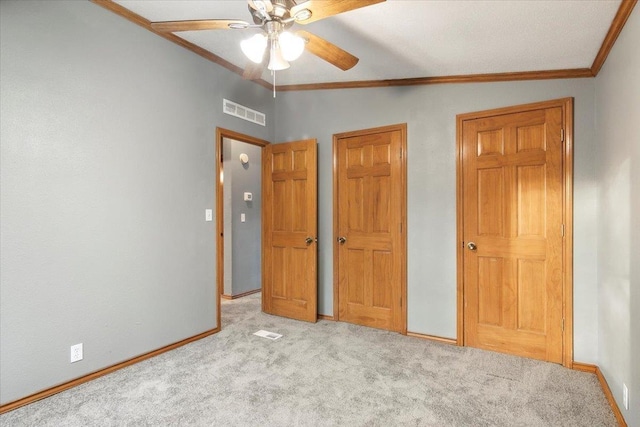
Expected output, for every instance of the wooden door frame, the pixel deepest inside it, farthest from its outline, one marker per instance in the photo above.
(567, 215)
(402, 127)
(222, 133)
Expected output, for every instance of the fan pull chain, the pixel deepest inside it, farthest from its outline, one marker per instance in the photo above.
(274, 83)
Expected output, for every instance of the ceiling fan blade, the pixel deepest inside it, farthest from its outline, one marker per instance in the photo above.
(201, 24)
(253, 71)
(322, 8)
(328, 51)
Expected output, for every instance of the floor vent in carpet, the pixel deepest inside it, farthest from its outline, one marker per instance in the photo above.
(267, 334)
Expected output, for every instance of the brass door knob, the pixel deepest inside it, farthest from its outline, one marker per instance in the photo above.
(308, 240)
(472, 246)
(342, 240)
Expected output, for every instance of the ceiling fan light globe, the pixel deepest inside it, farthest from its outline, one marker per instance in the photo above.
(276, 60)
(291, 45)
(254, 47)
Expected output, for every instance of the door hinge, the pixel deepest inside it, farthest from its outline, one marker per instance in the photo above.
(561, 135)
(563, 324)
(401, 154)
(562, 230)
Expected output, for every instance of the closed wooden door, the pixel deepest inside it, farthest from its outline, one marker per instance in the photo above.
(289, 230)
(513, 233)
(370, 246)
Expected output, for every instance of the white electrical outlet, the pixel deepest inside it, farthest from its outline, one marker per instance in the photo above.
(625, 396)
(76, 352)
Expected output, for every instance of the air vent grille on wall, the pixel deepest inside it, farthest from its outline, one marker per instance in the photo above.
(235, 109)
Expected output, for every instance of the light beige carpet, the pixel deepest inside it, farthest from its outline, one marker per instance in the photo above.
(324, 374)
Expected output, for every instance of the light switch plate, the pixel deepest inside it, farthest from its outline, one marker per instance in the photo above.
(243, 217)
(208, 214)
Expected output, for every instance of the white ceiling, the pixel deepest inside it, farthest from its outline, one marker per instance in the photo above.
(401, 39)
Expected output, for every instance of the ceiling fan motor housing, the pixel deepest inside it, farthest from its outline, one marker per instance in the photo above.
(276, 10)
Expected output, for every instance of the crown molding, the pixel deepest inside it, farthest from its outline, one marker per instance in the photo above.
(467, 78)
(624, 11)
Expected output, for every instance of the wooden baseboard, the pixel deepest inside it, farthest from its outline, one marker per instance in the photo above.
(325, 317)
(584, 367)
(244, 294)
(433, 338)
(594, 369)
(97, 374)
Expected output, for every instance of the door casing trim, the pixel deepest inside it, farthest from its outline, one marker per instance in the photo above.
(222, 133)
(567, 213)
(402, 127)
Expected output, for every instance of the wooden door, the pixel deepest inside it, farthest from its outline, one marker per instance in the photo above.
(370, 226)
(513, 233)
(289, 177)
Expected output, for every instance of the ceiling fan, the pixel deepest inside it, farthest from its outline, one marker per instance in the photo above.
(276, 46)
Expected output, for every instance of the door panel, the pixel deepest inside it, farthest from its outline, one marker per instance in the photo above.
(512, 203)
(370, 204)
(289, 221)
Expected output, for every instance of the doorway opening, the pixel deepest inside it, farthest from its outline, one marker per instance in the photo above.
(238, 215)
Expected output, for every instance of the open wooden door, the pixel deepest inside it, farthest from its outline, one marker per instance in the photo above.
(290, 250)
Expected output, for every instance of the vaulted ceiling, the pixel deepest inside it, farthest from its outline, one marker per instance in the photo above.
(413, 39)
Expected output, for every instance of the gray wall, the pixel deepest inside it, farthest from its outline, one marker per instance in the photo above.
(618, 148)
(107, 167)
(430, 113)
(243, 241)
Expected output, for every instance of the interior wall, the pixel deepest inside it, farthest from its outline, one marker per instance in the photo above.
(245, 239)
(618, 147)
(107, 167)
(227, 212)
(430, 112)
